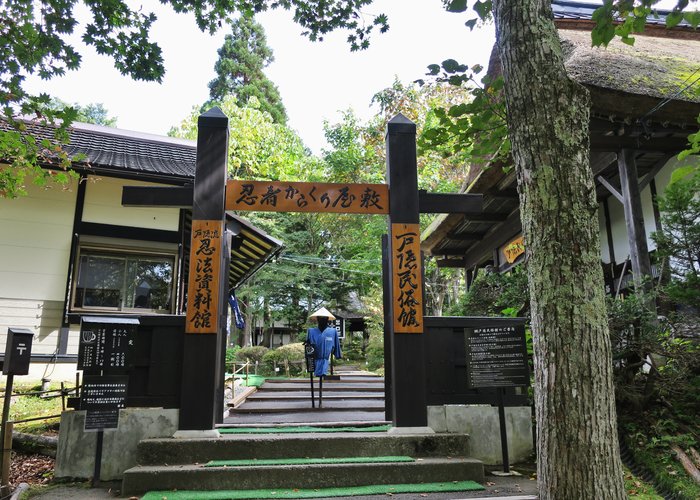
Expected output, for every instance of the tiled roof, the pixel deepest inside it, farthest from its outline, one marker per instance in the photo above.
(125, 151)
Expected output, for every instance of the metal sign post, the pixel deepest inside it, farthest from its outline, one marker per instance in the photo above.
(497, 357)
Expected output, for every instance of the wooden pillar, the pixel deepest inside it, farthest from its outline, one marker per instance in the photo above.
(408, 381)
(202, 375)
(634, 218)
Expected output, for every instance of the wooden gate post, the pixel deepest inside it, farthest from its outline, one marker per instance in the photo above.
(207, 282)
(408, 381)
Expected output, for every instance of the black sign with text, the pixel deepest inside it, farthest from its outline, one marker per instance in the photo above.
(102, 397)
(106, 343)
(496, 356)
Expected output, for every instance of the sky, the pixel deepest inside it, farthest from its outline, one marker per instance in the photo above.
(317, 81)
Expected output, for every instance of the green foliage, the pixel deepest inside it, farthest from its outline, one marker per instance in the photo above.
(284, 356)
(476, 126)
(239, 70)
(36, 40)
(258, 147)
(231, 356)
(375, 348)
(252, 353)
(493, 293)
(679, 241)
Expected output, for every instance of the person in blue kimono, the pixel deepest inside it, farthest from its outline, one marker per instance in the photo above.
(325, 340)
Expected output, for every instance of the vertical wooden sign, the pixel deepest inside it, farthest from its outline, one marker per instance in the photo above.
(407, 279)
(203, 287)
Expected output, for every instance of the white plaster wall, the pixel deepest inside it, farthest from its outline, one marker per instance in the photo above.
(35, 244)
(103, 205)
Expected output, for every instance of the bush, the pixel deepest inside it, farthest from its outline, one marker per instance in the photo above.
(231, 355)
(287, 353)
(491, 293)
(253, 354)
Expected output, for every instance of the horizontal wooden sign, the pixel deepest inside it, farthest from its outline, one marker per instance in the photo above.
(407, 278)
(277, 196)
(205, 272)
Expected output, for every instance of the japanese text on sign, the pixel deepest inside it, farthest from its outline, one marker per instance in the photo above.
(497, 357)
(105, 346)
(407, 279)
(276, 196)
(203, 288)
(102, 397)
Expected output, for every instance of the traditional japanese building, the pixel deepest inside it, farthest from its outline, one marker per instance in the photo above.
(644, 104)
(76, 250)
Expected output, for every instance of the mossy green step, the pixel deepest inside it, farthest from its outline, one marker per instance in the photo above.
(382, 489)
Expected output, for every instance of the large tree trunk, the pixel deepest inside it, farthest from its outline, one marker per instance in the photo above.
(548, 116)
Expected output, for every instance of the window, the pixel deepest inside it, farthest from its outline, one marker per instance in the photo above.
(124, 281)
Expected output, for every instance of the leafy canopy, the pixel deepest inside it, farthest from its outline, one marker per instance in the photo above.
(35, 40)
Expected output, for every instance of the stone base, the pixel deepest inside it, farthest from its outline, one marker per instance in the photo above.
(410, 430)
(501, 473)
(75, 456)
(482, 425)
(197, 434)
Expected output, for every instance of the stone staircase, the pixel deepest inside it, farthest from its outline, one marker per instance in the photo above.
(350, 397)
(169, 464)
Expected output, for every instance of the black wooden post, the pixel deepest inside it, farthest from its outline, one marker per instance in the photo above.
(202, 371)
(408, 379)
(388, 345)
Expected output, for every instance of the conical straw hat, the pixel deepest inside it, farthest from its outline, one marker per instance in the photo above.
(323, 312)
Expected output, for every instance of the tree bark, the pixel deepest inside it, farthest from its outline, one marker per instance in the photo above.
(548, 117)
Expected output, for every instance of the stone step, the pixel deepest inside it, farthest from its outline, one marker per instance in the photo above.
(306, 395)
(197, 477)
(297, 406)
(352, 379)
(305, 418)
(335, 386)
(342, 444)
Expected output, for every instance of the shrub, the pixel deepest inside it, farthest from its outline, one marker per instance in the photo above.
(253, 354)
(287, 353)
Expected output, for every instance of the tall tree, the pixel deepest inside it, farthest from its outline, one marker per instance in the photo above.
(548, 117)
(239, 70)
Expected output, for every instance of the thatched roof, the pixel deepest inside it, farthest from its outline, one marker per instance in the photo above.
(629, 80)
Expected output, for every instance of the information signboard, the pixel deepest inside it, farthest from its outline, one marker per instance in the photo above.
(102, 397)
(106, 343)
(497, 356)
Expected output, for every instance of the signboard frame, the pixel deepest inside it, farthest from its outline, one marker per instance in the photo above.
(481, 346)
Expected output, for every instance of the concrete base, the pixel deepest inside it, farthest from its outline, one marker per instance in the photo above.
(501, 473)
(410, 430)
(203, 434)
(481, 423)
(75, 457)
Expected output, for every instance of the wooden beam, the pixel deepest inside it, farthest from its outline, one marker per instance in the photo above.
(486, 217)
(496, 236)
(601, 160)
(634, 217)
(449, 203)
(655, 169)
(451, 263)
(660, 144)
(603, 181)
(467, 236)
(157, 196)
